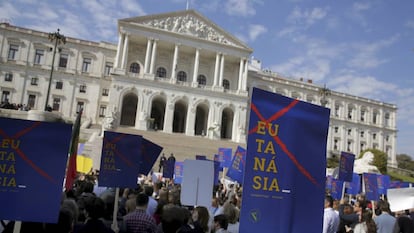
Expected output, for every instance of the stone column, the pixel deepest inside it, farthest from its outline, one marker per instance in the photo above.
(119, 49)
(153, 56)
(147, 55)
(125, 52)
(190, 121)
(246, 70)
(216, 69)
(240, 80)
(221, 71)
(169, 117)
(195, 69)
(174, 64)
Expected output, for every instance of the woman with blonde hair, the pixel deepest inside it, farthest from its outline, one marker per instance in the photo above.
(232, 214)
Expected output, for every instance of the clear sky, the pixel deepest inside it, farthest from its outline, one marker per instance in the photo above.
(363, 48)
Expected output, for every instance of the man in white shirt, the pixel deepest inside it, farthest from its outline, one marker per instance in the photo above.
(330, 217)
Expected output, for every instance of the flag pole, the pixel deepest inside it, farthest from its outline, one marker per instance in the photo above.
(73, 151)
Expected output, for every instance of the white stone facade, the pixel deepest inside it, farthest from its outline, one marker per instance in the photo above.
(176, 73)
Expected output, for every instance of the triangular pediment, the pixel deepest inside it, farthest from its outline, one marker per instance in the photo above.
(190, 23)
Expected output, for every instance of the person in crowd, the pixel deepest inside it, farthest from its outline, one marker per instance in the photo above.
(172, 219)
(139, 221)
(347, 217)
(232, 214)
(366, 225)
(162, 162)
(386, 223)
(330, 217)
(220, 224)
(152, 203)
(94, 210)
(201, 218)
(65, 224)
(405, 223)
(171, 158)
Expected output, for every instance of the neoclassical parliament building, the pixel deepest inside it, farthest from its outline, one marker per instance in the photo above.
(176, 73)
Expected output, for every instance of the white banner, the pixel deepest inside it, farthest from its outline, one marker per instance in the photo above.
(400, 198)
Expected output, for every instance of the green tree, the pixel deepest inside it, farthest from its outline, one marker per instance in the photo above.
(405, 162)
(380, 159)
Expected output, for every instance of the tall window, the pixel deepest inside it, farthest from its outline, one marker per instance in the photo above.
(5, 96)
(161, 72)
(8, 77)
(59, 85)
(201, 80)
(102, 110)
(13, 49)
(56, 104)
(362, 134)
(182, 76)
(337, 108)
(349, 146)
(80, 105)
(336, 144)
(108, 68)
(387, 119)
(82, 88)
(63, 60)
(86, 64)
(350, 112)
(226, 84)
(374, 117)
(34, 81)
(39, 56)
(362, 115)
(31, 101)
(134, 68)
(105, 92)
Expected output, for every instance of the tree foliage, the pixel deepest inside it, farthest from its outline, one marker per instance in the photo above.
(405, 162)
(380, 159)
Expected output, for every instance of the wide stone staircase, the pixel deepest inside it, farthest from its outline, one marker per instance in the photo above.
(182, 146)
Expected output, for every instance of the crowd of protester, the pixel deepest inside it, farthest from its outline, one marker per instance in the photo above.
(152, 207)
(359, 215)
(7, 105)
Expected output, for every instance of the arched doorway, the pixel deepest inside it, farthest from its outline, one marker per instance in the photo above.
(226, 124)
(129, 109)
(158, 113)
(201, 119)
(180, 116)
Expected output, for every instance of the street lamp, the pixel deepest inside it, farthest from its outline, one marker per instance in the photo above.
(324, 92)
(58, 39)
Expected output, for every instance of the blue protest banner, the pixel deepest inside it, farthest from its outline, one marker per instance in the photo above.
(33, 161)
(225, 157)
(346, 166)
(328, 183)
(371, 186)
(395, 184)
(236, 170)
(178, 172)
(168, 170)
(383, 182)
(354, 187)
(285, 166)
(121, 157)
(150, 153)
(337, 187)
